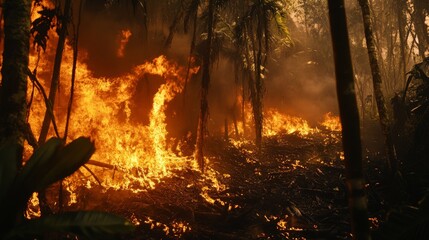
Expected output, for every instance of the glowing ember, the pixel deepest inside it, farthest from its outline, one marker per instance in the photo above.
(123, 41)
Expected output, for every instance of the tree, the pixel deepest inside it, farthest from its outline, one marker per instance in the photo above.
(377, 85)
(349, 116)
(205, 81)
(254, 35)
(13, 91)
(57, 67)
(419, 16)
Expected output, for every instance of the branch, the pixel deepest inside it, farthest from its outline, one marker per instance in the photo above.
(39, 86)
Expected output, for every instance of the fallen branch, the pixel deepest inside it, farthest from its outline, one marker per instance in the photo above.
(102, 164)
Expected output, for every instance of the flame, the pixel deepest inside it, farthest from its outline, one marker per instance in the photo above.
(139, 155)
(123, 41)
(33, 207)
(275, 123)
(103, 110)
(331, 122)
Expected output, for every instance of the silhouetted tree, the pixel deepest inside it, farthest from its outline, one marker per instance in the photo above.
(377, 85)
(349, 116)
(254, 36)
(13, 91)
(205, 81)
(64, 21)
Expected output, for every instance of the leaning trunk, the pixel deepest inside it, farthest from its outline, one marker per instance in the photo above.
(349, 120)
(13, 91)
(56, 72)
(377, 85)
(202, 121)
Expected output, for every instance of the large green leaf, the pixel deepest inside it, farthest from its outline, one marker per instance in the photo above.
(90, 225)
(67, 160)
(8, 167)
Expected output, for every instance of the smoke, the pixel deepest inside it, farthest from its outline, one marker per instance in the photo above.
(297, 84)
(300, 85)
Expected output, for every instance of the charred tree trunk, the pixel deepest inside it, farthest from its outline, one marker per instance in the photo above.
(202, 120)
(377, 85)
(13, 89)
(56, 72)
(349, 120)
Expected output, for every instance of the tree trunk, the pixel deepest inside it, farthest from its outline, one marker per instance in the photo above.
(349, 120)
(202, 121)
(13, 91)
(421, 27)
(257, 103)
(377, 85)
(402, 19)
(13, 88)
(56, 72)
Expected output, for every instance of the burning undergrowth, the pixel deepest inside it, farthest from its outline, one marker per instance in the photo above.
(243, 195)
(140, 171)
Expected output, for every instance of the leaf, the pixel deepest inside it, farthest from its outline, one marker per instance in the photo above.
(37, 166)
(90, 225)
(67, 160)
(40, 26)
(8, 166)
(39, 161)
(48, 164)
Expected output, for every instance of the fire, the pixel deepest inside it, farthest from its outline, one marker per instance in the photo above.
(103, 110)
(331, 122)
(275, 123)
(33, 208)
(123, 41)
(138, 154)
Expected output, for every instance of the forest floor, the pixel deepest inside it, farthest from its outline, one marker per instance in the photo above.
(294, 189)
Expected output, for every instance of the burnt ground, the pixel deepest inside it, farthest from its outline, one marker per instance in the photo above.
(294, 189)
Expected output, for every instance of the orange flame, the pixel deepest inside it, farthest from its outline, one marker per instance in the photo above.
(276, 123)
(123, 41)
(331, 122)
(139, 152)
